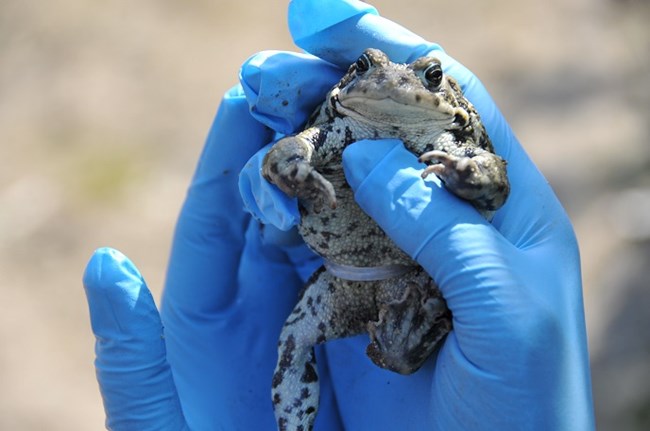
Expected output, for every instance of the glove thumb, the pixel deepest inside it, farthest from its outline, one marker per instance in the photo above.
(444, 233)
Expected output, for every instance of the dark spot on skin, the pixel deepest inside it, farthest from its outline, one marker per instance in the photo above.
(365, 250)
(323, 245)
(313, 278)
(348, 139)
(427, 148)
(277, 399)
(381, 77)
(296, 319)
(309, 374)
(282, 424)
(333, 321)
(295, 158)
(286, 358)
(325, 171)
(304, 393)
(333, 114)
(274, 168)
(460, 120)
(277, 379)
(418, 98)
(320, 139)
(322, 329)
(312, 309)
(310, 410)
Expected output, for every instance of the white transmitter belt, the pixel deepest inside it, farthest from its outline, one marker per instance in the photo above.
(366, 273)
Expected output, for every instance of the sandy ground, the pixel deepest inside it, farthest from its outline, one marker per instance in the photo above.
(103, 112)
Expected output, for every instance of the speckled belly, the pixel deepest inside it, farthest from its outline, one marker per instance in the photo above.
(348, 236)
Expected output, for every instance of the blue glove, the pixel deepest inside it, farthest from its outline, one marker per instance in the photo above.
(231, 284)
(517, 357)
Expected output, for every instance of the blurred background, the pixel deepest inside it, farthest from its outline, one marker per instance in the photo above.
(104, 107)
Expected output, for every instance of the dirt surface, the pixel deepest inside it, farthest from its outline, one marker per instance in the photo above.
(103, 112)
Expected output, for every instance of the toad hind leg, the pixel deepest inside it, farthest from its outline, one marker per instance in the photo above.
(328, 309)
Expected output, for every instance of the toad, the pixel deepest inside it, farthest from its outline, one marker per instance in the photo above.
(367, 284)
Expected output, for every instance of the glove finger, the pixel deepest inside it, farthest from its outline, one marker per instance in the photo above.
(209, 237)
(283, 88)
(423, 218)
(134, 377)
(338, 31)
(445, 234)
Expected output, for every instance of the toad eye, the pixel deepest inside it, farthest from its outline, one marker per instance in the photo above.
(433, 74)
(363, 63)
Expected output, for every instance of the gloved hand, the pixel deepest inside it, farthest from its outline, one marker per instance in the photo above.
(230, 285)
(517, 355)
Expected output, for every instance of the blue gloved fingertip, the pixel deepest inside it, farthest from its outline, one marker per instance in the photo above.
(339, 31)
(337, 12)
(109, 267)
(118, 298)
(283, 88)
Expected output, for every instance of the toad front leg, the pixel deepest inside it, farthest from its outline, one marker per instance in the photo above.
(476, 175)
(288, 166)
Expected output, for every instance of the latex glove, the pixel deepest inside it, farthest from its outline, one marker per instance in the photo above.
(517, 357)
(230, 286)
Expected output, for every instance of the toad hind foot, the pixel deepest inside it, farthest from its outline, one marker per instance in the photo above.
(409, 330)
